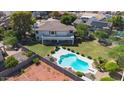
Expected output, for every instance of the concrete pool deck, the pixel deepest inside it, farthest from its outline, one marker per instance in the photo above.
(62, 51)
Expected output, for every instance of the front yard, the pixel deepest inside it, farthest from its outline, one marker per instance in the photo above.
(40, 49)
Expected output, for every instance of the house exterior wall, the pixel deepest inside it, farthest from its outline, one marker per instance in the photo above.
(47, 33)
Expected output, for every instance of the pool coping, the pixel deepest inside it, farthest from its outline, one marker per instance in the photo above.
(62, 51)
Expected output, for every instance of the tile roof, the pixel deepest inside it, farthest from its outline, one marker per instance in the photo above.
(54, 25)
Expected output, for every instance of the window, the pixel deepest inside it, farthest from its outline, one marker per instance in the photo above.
(52, 32)
(71, 31)
(37, 38)
(36, 32)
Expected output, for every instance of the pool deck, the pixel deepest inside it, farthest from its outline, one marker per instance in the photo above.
(64, 52)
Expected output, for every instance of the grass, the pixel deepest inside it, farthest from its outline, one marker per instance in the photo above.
(91, 48)
(40, 49)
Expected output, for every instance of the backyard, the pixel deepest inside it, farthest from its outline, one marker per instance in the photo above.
(40, 49)
(91, 48)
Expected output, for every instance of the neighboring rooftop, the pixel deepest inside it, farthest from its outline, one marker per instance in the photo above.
(54, 25)
(98, 24)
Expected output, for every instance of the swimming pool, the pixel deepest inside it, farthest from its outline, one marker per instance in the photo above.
(71, 60)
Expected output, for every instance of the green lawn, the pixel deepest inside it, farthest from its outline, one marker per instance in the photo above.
(40, 49)
(91, 48)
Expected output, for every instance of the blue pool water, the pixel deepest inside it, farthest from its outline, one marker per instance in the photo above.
(71, 60)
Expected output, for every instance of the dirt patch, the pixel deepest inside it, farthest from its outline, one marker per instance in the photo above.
(42, 72)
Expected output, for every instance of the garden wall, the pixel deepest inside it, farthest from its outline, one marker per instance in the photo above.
(21, 65)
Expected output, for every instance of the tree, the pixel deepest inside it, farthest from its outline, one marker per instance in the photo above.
(22, 22)
(10, 41)
(118, 54)
(107, 79)
(82, 30)
(80, 74)
(116, 21)
(68, 19)
(101, 34)
(11, 62)
(1, 33)
(111, 66)
(10, 38)
(55, 14)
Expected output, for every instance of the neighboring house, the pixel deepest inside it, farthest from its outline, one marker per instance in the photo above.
(78, 21)
(40, 14)
(82, 19)
(54, 31)
(96, 24)
(5, 22)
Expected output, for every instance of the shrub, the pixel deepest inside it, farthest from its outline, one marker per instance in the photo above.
(22, 71)
(36, 60)
(111, 66)
(11, 62)
(101, 60)
(77, 53)
(52, 52)
(48, 55)
(68, 49)
(72, 51)
(29, 53)
(80, 74)
(57, 48)
(83, 55)
(107, 79)
(89, 57)
(65, 80)
(64, 47)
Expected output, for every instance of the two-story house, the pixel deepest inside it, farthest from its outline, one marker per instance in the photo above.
(54, 31)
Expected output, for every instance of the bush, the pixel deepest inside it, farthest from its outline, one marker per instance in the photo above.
(68, 19)
(111, 66)
(52, 52)
(64, 47)
(29, 53)
(107, 79)
(101, 60)
(72, 51)
(83, 55)
(68, 49)
(11, 62)
(57, 48)
(89, 57)
(77, 53)
(22, 71)
(35, 60)
(80, 74)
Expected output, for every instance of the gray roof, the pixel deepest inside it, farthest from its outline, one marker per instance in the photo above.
(54, 25)
(98, 24)
(78, 21)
